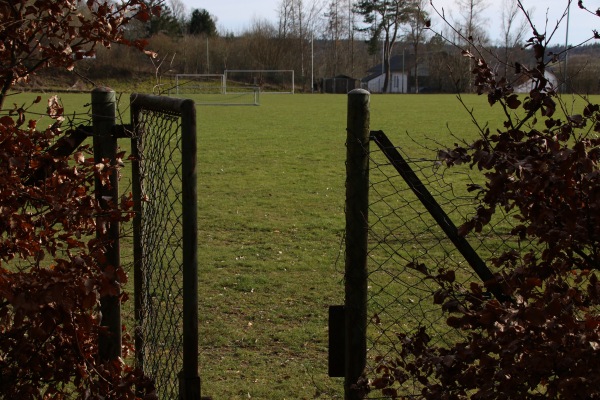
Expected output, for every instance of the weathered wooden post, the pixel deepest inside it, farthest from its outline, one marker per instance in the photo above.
(105, 147)
(357, 227)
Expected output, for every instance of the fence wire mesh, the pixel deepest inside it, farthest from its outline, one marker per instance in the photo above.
(157, 149)
(402, 233)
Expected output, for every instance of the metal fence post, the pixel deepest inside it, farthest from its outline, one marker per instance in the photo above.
(165, 128)
(357, 227)
(190, 380)
(139, 295)
(105, 147)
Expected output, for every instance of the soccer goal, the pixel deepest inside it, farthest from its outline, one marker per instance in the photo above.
(199, 83)
(269, 81)
(210, 90)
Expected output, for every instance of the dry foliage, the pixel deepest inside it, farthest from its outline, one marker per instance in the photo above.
(37, 34)
(50, 275)
(543, 341)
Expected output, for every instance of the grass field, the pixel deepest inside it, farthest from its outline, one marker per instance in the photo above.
(271, 204)
(271, 217)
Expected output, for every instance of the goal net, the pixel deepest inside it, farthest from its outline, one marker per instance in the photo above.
(210, 89)
(268, 81)
(199, 83)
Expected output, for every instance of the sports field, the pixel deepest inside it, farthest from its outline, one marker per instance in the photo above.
(271, 217)
(272, 181)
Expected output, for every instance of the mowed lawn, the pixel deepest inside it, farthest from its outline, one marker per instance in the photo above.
(271, 183)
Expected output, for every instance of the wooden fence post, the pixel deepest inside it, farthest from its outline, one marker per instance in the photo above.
(357, 227)
(105, 147)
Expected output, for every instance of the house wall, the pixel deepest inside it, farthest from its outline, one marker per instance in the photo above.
(527, 86)
(375, 85)
(338, 85)
(398, 83)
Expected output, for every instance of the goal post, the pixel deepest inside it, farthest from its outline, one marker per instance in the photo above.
(269, 81)
(210, 90)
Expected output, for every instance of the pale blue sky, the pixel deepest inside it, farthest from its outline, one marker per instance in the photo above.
(236, 15)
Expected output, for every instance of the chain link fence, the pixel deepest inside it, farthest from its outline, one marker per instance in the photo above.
(402, 215)
(163, 149)
(403, 238)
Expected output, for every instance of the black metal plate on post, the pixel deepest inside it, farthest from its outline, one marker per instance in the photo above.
(337, 342)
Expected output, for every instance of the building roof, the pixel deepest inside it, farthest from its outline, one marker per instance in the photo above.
(371, 76)
(342, 76)
(524, 83)
(398, 63)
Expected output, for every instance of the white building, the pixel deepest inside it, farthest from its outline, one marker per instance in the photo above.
(401, 67)
(526, 84)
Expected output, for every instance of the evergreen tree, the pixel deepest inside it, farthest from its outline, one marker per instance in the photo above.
(162, 21)
(384, 17)
(202, 23)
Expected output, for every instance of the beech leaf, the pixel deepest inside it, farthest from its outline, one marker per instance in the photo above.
(513, 102)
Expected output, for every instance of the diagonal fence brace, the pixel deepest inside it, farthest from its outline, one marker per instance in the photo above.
(440, 216)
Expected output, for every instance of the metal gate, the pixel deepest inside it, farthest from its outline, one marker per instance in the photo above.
(163, 147)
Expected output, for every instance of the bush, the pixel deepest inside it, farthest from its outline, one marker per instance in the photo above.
(543, 339)
(50, 275)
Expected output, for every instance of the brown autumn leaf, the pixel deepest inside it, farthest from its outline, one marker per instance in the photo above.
(7, 121)
(48, 309)
(55, 110)
(513, 102)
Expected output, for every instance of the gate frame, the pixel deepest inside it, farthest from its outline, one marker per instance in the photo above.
(189, 379)
(105, 136)
(104, 106)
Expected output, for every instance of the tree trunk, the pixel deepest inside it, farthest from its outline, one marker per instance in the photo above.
(5, 88)
(388, 73)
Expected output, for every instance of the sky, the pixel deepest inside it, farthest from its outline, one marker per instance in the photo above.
(236, 15)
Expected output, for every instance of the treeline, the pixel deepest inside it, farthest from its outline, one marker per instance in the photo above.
(445, 69)
(321, 40)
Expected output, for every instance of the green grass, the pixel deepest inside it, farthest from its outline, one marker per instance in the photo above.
(271, 184)
(271, 204)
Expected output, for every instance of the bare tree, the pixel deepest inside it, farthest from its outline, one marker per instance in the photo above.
(336, 29)
(471, 28)
(472, 21)
(286, 15)
(514, 28)
(179, 11)
(262, 48)
(416, 31)
(298, 19)
(351, 30)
